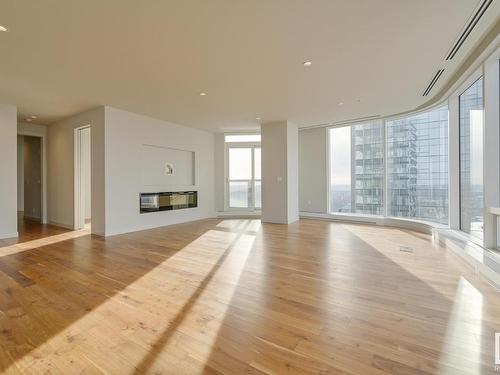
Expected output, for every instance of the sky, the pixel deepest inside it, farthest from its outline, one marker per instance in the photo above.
(340, 162)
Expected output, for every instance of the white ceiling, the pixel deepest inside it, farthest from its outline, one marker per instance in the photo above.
(154, 57)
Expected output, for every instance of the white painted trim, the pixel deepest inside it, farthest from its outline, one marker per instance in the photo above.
(454, 162)
(62, 225)
(469, 81)
(385, 193)
(44, 170)
(416, 225)
(9, 235)
(33, 218)
(238, 214)
(77, 197)
(328, 171)
(227, 146)
(76, 178)
(491, 148)
(481, 260)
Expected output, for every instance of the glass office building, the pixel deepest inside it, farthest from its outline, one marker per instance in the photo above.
(417, 152)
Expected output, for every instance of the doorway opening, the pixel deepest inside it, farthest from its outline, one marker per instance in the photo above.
(30, 198)
(83, 185)
(243, 172)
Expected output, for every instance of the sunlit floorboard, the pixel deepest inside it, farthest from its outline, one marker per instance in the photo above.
(235, 297)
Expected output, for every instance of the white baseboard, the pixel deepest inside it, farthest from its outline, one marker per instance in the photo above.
(238, 214)
(9, 235)
(34, 218)
(416, 225)
(62, 225)
(484, 262)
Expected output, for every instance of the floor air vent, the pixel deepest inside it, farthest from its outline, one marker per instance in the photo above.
(433, 82)
(468, 29)
(406, 249)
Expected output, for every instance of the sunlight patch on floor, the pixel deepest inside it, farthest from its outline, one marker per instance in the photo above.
(388, 242)
(462, 343)
(130, 324)
(30, 245)
(196, 335)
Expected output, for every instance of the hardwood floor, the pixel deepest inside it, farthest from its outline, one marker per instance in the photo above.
(32, 230)
(235, 297)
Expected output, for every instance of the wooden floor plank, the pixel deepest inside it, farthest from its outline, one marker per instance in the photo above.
(237, 296)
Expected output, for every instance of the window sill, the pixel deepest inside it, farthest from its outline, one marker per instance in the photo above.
(484, 261)
(417, 225)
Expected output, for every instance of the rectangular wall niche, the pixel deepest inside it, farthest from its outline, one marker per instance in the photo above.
(166, 166)
(167, 201)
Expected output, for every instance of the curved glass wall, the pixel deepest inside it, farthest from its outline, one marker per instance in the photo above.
(400, 167)
(471, 160)
(417, 166)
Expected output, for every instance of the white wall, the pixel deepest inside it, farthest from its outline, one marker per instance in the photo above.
(61, 168)
(125, 135)
(279, 172)
(219, 172)
(31, 129)
(8, 171)
(292, 152)
(313, 170)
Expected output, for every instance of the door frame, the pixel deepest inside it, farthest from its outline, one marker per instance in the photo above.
(251, 207)
(78, 197)
(43, 145)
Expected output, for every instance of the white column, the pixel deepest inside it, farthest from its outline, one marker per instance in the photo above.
(280, 182)
(491, 148)
(8, 171)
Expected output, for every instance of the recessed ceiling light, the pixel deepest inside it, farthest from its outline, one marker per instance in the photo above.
(203, 94)
(341, 103)
(33, 116)
(307, 63)
(3, 28)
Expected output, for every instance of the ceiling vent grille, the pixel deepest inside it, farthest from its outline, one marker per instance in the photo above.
(468, 29)
(433, 82)
(406, 249)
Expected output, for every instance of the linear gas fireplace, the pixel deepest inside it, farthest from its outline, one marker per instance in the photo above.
(167, 201)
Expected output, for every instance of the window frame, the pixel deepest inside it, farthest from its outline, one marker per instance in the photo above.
(385, 211)
(461, 92)
(328, 169)
(435, 106)
(228, 145)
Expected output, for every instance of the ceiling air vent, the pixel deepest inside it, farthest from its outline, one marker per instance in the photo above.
(433, 82)
(406, 249)
(468, 29)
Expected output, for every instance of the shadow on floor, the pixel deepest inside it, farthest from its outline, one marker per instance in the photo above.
(218, 297)
(46, 290)
(332, 303)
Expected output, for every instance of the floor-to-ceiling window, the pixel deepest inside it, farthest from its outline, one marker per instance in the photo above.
(471, 159)
(243, 171)
(357, 169)
(417, 166)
